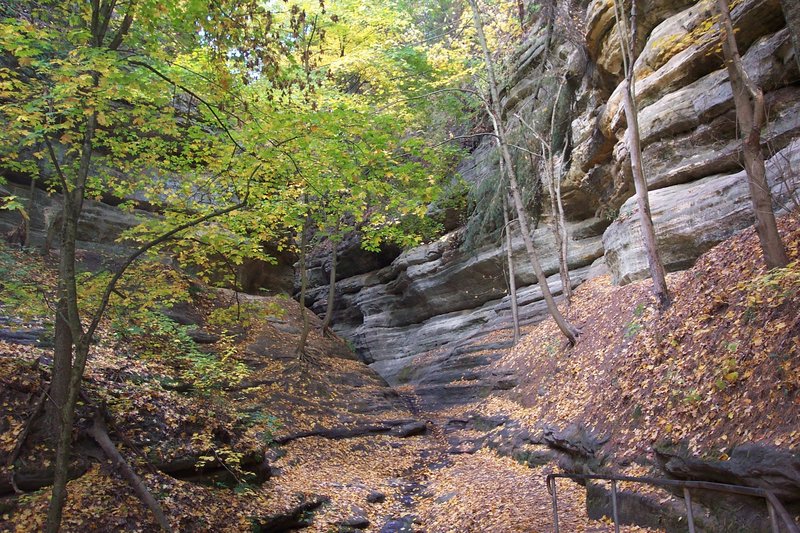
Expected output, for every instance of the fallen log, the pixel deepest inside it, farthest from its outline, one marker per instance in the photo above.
(398, 428)
(31, 479)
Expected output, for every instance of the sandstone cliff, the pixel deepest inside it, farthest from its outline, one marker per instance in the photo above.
(441, 292)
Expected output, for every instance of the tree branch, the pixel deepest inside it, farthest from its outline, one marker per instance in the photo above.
(188, 91)
(123, 28)
(98, 314)
(428, 95)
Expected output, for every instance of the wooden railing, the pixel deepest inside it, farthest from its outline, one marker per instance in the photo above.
(774, 506)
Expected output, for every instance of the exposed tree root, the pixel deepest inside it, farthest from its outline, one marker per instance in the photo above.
(23, 436)
(99, 433)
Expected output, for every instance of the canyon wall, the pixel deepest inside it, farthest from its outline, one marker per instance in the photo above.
(443, 293)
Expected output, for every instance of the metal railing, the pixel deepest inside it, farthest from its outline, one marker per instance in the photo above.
(774, 506)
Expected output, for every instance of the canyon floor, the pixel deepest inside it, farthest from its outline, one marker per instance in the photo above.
(322, 443)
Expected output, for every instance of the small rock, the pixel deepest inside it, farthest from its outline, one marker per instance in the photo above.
(446, 497)
(399, 525)
(410, 430)
(183, 314)
(358, 520)
(202, 337)
(376, 496)
(287, 328)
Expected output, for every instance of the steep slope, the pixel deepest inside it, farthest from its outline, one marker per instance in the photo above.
(709, 390)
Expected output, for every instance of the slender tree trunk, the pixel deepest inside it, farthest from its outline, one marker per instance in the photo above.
(643, 202)
(27, 220)
(62, 366)
(564, 248)
(627, 44)
(512, 282)
(68, 373)
(751, 116)
(558, 211)
(791, 12)
(301, 344)
(326, 323)
(496, 114)
(557, 225)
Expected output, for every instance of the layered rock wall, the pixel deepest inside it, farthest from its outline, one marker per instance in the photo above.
(440, 293)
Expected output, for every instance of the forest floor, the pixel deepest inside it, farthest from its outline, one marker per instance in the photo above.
(276, 444)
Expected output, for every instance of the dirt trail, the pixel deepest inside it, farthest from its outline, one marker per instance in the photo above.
(445, 491)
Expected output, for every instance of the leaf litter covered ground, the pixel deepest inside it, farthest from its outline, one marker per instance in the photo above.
(718, 369)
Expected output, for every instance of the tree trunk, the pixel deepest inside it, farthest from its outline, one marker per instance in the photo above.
(301, 344)
(791, 12)
(62, 365)
(70, 371)
(751, 116)
(564, 248)
(326, 323)
(562, 239)
(496, 114)
(627, 47)
(643, 202)
(512, 282)
(27, 220)
(63, 410)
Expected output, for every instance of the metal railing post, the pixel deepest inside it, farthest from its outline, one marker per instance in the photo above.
(614, 511)
(776, 508)
(777, 512)
(689, 512)
(552, 481)
(773, 519)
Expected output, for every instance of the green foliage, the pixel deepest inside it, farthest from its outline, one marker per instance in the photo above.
(727, 373)
(21, 287)
(154, 335)
(242, 315)
(773, 289)
(146, 287)
(692, 396)
(632, 329)
(13, 203)
(268, 423)
(232, 460)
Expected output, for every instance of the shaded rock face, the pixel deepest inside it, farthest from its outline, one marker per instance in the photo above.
(100, 226)
(99, 232)
(436, 294)
(439, 293)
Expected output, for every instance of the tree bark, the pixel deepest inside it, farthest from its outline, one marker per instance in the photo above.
(512, 282)
(68, 372)
(326, 323)
(751, 116)
(301, 344)
(643, 202)
(564, 247)
(791, 12)
(496, 114)
(556, 206)
(627, 46)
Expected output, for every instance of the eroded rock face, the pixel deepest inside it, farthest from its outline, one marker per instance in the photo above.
(438, 294)
(100, 228)
(692, 217)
